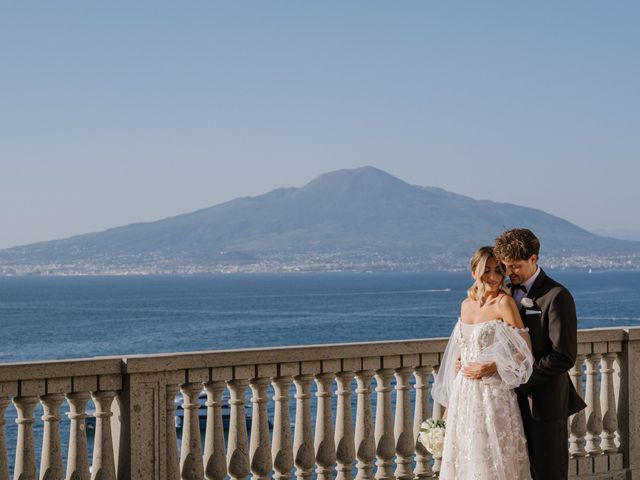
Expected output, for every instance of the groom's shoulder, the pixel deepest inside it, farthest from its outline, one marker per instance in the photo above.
(554, 288)
(550, 282)
(556, 297)
(553, 292)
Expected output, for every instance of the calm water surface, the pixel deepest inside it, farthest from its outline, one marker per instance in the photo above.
(64, 317)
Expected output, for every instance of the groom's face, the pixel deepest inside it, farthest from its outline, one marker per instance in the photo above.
(519, 271)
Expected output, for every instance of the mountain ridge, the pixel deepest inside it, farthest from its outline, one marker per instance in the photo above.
(358, 219)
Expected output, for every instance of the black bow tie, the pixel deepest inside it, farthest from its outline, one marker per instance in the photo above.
(515, 287)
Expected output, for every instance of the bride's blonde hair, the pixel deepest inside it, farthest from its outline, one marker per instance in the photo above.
(478, 265)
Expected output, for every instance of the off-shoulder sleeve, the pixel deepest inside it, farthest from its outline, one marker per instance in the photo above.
(511, 351)
(443, 383)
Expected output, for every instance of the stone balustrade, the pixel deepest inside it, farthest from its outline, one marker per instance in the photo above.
(50, 384)
(345, 410)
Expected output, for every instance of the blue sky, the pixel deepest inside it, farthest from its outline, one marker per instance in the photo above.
(117, 112)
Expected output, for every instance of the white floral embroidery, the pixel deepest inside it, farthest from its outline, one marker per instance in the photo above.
(484, 438)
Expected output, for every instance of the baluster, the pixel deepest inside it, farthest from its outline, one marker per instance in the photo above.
(325, 448)
(4, 458)
(618, 370)
(421, 413)
(594, 415)
(103, 466)
(345, 447)
(51, 459)
(173, 459)
(364, 437)
(438, 411)
(259, 448)
(25, 466)
(303, 436)
(385, 448)
(191, 467)
(78, 457)
(578, 421)
(215, 463)
(238, 452)
(282, 448)
(608, 404)
(403, 428)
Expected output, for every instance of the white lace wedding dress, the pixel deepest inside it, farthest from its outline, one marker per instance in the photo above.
(484, 437)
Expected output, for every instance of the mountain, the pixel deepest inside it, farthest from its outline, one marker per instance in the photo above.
(620, 233)
(362, 219)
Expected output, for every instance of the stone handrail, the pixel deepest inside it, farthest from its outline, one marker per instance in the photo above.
(136, 438)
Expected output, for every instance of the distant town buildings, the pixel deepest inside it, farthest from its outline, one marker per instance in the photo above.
(313, 262)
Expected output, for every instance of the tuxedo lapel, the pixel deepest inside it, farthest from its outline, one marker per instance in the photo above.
(534, 291)
(532, 294)
(523, 316)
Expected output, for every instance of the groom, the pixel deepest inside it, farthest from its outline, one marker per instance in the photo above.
(548, 310)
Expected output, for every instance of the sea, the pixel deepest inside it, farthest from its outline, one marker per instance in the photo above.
(45, 318)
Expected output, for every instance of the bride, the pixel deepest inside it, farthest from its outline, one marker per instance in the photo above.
(485, 437)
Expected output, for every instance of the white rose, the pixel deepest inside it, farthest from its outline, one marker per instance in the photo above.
(526, 302)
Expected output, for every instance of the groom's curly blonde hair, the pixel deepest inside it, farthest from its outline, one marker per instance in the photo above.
(516, 244)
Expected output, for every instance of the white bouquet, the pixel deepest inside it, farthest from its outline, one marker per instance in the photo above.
(432, 436)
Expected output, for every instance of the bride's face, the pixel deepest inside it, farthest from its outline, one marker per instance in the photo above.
(492, 277)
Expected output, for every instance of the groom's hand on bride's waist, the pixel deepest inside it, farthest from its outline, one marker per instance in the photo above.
(478, 370)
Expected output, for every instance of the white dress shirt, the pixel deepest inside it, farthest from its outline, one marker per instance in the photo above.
(518, 294)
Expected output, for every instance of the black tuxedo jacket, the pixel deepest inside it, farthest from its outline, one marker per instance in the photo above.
(553, 327)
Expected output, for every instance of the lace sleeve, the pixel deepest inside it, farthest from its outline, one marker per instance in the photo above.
(443, 383)
(511, 351)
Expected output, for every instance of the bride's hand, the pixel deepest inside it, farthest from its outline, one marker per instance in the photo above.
(478, 370)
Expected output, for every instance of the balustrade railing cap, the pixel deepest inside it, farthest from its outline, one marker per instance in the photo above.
(110, 365)
(60, 368)
(609, 334)
(306, 353)
(632, 333)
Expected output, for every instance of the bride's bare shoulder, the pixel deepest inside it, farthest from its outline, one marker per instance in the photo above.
(509, 311)
(466, 303)
(505, 300)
